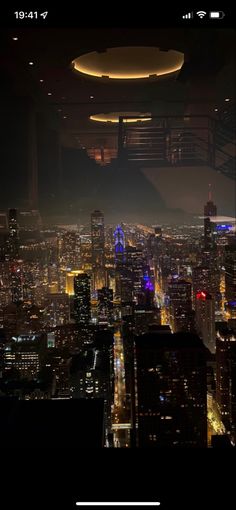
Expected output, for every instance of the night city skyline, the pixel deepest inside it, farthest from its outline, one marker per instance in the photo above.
(118, 237)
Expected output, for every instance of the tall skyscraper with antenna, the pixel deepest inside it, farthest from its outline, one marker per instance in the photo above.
(210, 210)
(98, 249)
(210, 259)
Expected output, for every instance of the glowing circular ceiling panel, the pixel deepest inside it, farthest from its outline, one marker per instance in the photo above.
(114, 117)
(129, 63)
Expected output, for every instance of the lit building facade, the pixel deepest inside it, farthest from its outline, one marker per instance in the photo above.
(119, 238)
(205, 319)
(209, 238)
(230, 272)
(82, 306)
(26, 355)
(98, 249)
(180, 305)
(69, 250)
(201, 279)
(57, 310)
(135, 264)
(105, 305)
(70, 276)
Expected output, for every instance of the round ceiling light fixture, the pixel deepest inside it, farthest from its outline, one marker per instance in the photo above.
(113, 117)
(129, 63)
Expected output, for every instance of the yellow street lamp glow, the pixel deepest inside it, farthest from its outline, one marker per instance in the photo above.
(129, 63)
(114, 117)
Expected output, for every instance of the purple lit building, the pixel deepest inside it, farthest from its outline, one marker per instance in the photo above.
(119, 237)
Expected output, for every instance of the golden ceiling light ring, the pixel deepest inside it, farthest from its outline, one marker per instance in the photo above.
(113, 117)
(129, 63)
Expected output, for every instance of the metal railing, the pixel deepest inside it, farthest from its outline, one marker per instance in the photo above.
(175, 141)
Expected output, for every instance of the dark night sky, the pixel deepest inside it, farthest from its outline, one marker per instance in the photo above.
(71, 183)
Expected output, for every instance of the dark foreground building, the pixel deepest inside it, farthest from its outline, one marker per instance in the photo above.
(91, 376)
(226, 376)
(170, 391)
(68, 423)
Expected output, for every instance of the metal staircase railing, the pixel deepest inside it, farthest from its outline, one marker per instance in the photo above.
(175, 141)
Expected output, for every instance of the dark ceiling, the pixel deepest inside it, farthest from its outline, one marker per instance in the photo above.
(68, 180)
(75, 97)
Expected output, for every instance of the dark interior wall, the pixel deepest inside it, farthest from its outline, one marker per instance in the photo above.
(49, 163)
(14, 151)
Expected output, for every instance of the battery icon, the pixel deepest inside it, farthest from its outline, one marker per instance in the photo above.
(217, 14)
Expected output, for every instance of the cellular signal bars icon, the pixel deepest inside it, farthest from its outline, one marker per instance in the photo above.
(189, 15)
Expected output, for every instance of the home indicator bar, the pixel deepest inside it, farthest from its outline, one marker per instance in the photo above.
(118, 503)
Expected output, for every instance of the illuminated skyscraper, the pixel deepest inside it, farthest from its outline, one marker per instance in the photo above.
(70, 281)
(230, 272)
(181, 314)
(205, 319)
(123, 276)
(208, 234)
(201, 278)
(170, 390)
(210, 210)
(148, 288)
(98, 248)
(119, 237)
(135, 264)
(82, 307)
(69, 250)
(105, 304)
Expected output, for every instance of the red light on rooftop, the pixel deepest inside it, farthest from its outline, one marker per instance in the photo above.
(201, 295)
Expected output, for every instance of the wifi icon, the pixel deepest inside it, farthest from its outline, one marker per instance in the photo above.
(201, 14)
